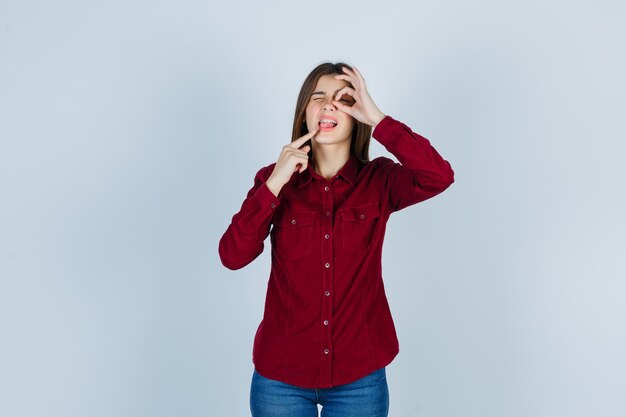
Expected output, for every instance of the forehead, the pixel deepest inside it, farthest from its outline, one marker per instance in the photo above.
(329, 84)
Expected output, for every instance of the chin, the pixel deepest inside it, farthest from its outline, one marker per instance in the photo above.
(326, 140)
(328, 135)
(332, 133)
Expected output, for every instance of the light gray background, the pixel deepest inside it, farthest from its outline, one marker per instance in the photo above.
(130, 132)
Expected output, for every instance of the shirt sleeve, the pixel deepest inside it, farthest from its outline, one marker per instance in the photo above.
(243, 240)
(421, 174)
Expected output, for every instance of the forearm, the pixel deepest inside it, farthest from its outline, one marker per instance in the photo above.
(243, 240)
(421, 174)
(413, 151)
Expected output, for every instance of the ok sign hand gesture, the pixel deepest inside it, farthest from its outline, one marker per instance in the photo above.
(364, 109)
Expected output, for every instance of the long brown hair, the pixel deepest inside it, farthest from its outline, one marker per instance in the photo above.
(361, 133)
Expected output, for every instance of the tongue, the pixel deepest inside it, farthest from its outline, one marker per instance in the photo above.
(327, 124)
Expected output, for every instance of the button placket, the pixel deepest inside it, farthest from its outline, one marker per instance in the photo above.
(327, 282)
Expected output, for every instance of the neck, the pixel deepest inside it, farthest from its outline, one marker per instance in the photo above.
(328, 160)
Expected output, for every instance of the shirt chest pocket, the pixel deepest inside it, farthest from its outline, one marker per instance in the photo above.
(293, 233)
(357, 226)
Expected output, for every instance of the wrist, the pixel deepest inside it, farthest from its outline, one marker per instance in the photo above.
(273, 185)
(378, 119)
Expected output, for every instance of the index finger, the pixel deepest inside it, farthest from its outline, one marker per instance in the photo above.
(300, 141)
(357, 74)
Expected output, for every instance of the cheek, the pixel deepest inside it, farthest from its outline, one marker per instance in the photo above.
(310, 111)
(350, 124)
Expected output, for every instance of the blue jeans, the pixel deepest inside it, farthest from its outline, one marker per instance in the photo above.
(365, 397)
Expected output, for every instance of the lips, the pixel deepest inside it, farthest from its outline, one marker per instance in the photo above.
(327, 123)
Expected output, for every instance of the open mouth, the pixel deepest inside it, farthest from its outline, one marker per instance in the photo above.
(327, 124)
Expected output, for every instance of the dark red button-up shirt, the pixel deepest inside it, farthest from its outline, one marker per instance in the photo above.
(327, 321)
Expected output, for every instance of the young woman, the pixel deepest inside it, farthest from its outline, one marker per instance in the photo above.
(327, 332)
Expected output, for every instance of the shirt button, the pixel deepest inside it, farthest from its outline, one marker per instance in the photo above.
(327, 265)
(326, 351)
(273, 205)
(293, 221)
(327, 293)
(327, 236)
(328, 213)
(325, 322)
(362, 216)
(326, 188)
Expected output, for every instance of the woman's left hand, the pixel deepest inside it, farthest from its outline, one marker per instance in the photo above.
(364, 109)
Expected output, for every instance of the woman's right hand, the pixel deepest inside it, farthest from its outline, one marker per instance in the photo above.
(292, 158)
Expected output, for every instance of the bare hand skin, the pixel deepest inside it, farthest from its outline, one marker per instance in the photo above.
(292, 158)
(364, 109)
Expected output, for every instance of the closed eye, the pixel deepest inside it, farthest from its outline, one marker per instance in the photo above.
(343, 99)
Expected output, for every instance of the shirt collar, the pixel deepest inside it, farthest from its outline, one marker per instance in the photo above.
(349, 172)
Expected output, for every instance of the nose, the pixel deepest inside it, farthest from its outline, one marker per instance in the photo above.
(329, 105)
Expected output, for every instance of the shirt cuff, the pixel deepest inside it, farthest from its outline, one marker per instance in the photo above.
(382, 125)
(267, 200)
